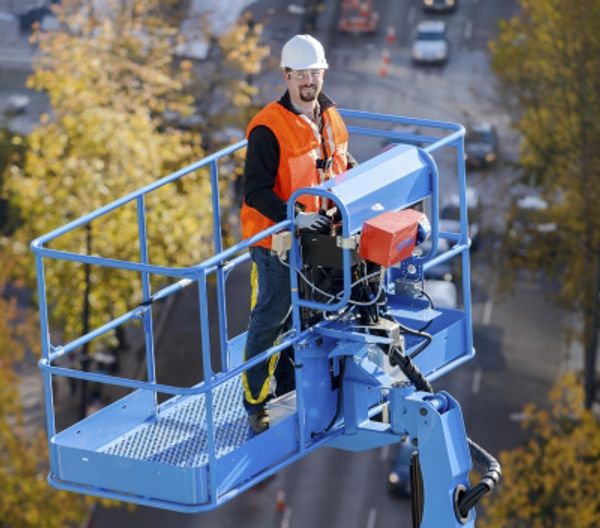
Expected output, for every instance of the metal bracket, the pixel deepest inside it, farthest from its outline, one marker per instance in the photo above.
(347, 243)
(281, 243)
(409, 269)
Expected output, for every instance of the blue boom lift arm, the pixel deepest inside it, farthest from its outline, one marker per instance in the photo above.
(367, 346)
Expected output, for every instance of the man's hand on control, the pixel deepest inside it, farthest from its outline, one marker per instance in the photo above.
(313, 222)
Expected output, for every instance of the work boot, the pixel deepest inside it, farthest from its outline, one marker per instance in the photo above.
(259, 420)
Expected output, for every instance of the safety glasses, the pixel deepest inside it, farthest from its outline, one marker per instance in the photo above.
(300, 75)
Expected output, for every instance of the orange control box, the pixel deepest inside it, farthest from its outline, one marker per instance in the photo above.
(390, 237)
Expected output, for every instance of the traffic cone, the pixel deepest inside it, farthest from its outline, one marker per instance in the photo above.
(385, 61)
(280, 501)
(391, 34)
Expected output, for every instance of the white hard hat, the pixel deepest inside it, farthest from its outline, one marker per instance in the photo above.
(303, 52)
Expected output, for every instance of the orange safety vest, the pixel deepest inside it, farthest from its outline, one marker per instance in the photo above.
(300, 146)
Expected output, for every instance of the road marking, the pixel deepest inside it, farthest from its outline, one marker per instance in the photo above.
(468, 29)
(384, 454)
(487, 312)
(410, 18)
(476, 385)
(287, 515)
(372, 519)
(517, 416)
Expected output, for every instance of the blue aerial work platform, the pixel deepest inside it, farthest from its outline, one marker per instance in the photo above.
(194, 451)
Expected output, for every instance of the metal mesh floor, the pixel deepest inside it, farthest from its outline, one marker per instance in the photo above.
(178, 436)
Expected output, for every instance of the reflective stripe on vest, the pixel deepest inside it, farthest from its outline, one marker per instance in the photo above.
(300, 146)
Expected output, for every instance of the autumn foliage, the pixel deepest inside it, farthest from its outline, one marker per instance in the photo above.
(112, 77)
(552, 480)
(547, 58)
(26, 499)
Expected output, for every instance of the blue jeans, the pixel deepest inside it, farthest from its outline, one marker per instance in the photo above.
(268, 319)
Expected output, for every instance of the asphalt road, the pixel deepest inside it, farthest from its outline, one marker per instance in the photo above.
(518, 337)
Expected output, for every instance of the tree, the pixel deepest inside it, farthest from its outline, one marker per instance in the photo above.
(223, 89)
(110, 75)
(548, 58)
(12, 150)
(228, 97)
(553, 479)
(113, 79)
(26, 499)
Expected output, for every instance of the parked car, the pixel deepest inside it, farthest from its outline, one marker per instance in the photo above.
(431, 43)
(481, 145)
(16, 104)
(439, 5)
(358, 17)
(399, 473)
(35, 15)
(450, 215)
(532, 209)
(529, 223)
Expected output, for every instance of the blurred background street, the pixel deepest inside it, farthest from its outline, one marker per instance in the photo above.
(519, 336)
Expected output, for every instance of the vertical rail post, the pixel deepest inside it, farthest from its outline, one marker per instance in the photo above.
(146, 292)
(218, 241)
(45, 339)
(208, 381)
(464, 234)
(294, 256)
(294, 259)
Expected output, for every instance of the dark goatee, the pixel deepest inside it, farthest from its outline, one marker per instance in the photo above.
(308, 98)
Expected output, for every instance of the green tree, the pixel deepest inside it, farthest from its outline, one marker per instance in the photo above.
(110, 75)
(227, 93)
(113, 78)
(109, 78)
(229, 96)
(548, 59)
(12, 150)
(553, 479)
(26, 499)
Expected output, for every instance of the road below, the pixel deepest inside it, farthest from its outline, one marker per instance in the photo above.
(518, 336)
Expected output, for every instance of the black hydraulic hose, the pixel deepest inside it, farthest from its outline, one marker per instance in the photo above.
(418, 333)
(429, 299)
(338, 407)
(431, 305)
(487, 483)
(417, 492)
(410, 370)
(493, 474)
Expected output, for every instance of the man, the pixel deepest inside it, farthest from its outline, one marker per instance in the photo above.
(298, 141)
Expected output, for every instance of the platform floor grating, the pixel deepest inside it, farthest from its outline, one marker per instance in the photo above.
(178, 435)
